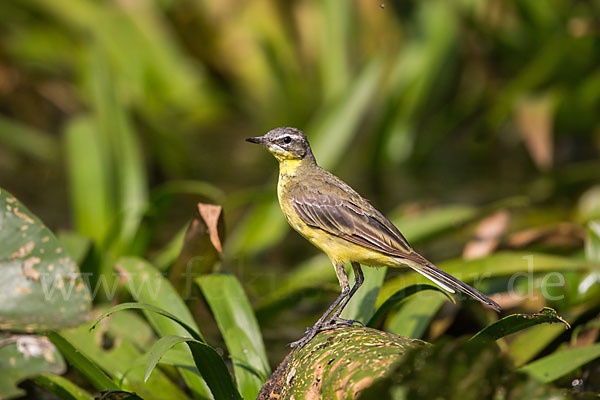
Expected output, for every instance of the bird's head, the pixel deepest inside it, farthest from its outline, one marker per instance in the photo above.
(285, 143)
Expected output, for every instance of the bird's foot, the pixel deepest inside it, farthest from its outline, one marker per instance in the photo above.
(308, 335)
(329, 324)
(337, 321)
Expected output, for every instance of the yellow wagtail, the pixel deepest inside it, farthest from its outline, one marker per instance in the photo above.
(336, 219)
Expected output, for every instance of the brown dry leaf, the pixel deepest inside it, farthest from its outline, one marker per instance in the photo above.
(535, 123)
(210, 214)
(563, 234)
(487, 235)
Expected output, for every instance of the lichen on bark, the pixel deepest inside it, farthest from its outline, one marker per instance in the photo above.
(337, 364)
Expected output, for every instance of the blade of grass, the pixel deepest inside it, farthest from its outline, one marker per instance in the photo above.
(89, 179)
(558, 364)
(62, 387)
(531, 342)
(147, 307)
(362, 305)
(399, 297)
(208, 361)
(231, 309)
(97, 378)
(125, 151)
(164, 296)
(28, 140)
(122, 355)
(415, 315)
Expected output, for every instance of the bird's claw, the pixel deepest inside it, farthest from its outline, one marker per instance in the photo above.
(337, 321)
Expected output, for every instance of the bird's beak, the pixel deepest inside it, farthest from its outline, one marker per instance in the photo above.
(257, 140)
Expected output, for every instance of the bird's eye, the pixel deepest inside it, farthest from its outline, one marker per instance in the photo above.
(287, 140)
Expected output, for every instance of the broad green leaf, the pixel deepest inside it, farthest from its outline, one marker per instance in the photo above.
(562, 362)
(62, 387)
(41, 287)
(231, 310)
(497, 264)
(23, 357)
(517, 322)
(415, 315)
(204, 356)
(123, 357)
(156, 295)
(362, 305)
(82, 363)
(399, 297)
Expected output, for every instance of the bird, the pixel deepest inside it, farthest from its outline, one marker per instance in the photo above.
(336, 219)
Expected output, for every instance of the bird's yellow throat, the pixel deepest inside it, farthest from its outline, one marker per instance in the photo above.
(289, 167)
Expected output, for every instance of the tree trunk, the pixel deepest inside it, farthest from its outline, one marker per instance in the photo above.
(337, 364)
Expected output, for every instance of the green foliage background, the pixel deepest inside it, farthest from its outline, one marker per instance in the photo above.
(117, 117)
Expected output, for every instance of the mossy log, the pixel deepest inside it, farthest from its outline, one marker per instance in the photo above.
(337, 364)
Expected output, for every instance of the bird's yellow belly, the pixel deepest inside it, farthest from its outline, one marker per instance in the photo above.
(336, 248)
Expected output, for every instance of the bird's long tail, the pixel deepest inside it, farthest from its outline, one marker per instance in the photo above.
(449, 283)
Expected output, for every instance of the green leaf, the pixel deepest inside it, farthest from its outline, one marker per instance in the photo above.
(83, 364)
(558, 364)
(25, 356)
(147, 285)
(92, 205)
(122, 147)
(147, 307)
(399, 297)
(531, 342)
(62, 387)
(517, 322)
(362, 305)
(592, 242)
(41, 287)
(159, 348)
(232, 310)
(208, 361)
(123, 356)
(415, 315)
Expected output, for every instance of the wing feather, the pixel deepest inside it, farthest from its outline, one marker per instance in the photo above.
(364, 226)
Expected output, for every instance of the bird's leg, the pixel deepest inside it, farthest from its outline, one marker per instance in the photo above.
(312, 331)
(359, 278)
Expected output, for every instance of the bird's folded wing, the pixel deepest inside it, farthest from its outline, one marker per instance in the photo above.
(361, 225)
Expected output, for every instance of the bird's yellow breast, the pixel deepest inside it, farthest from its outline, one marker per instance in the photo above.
(336, 248)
